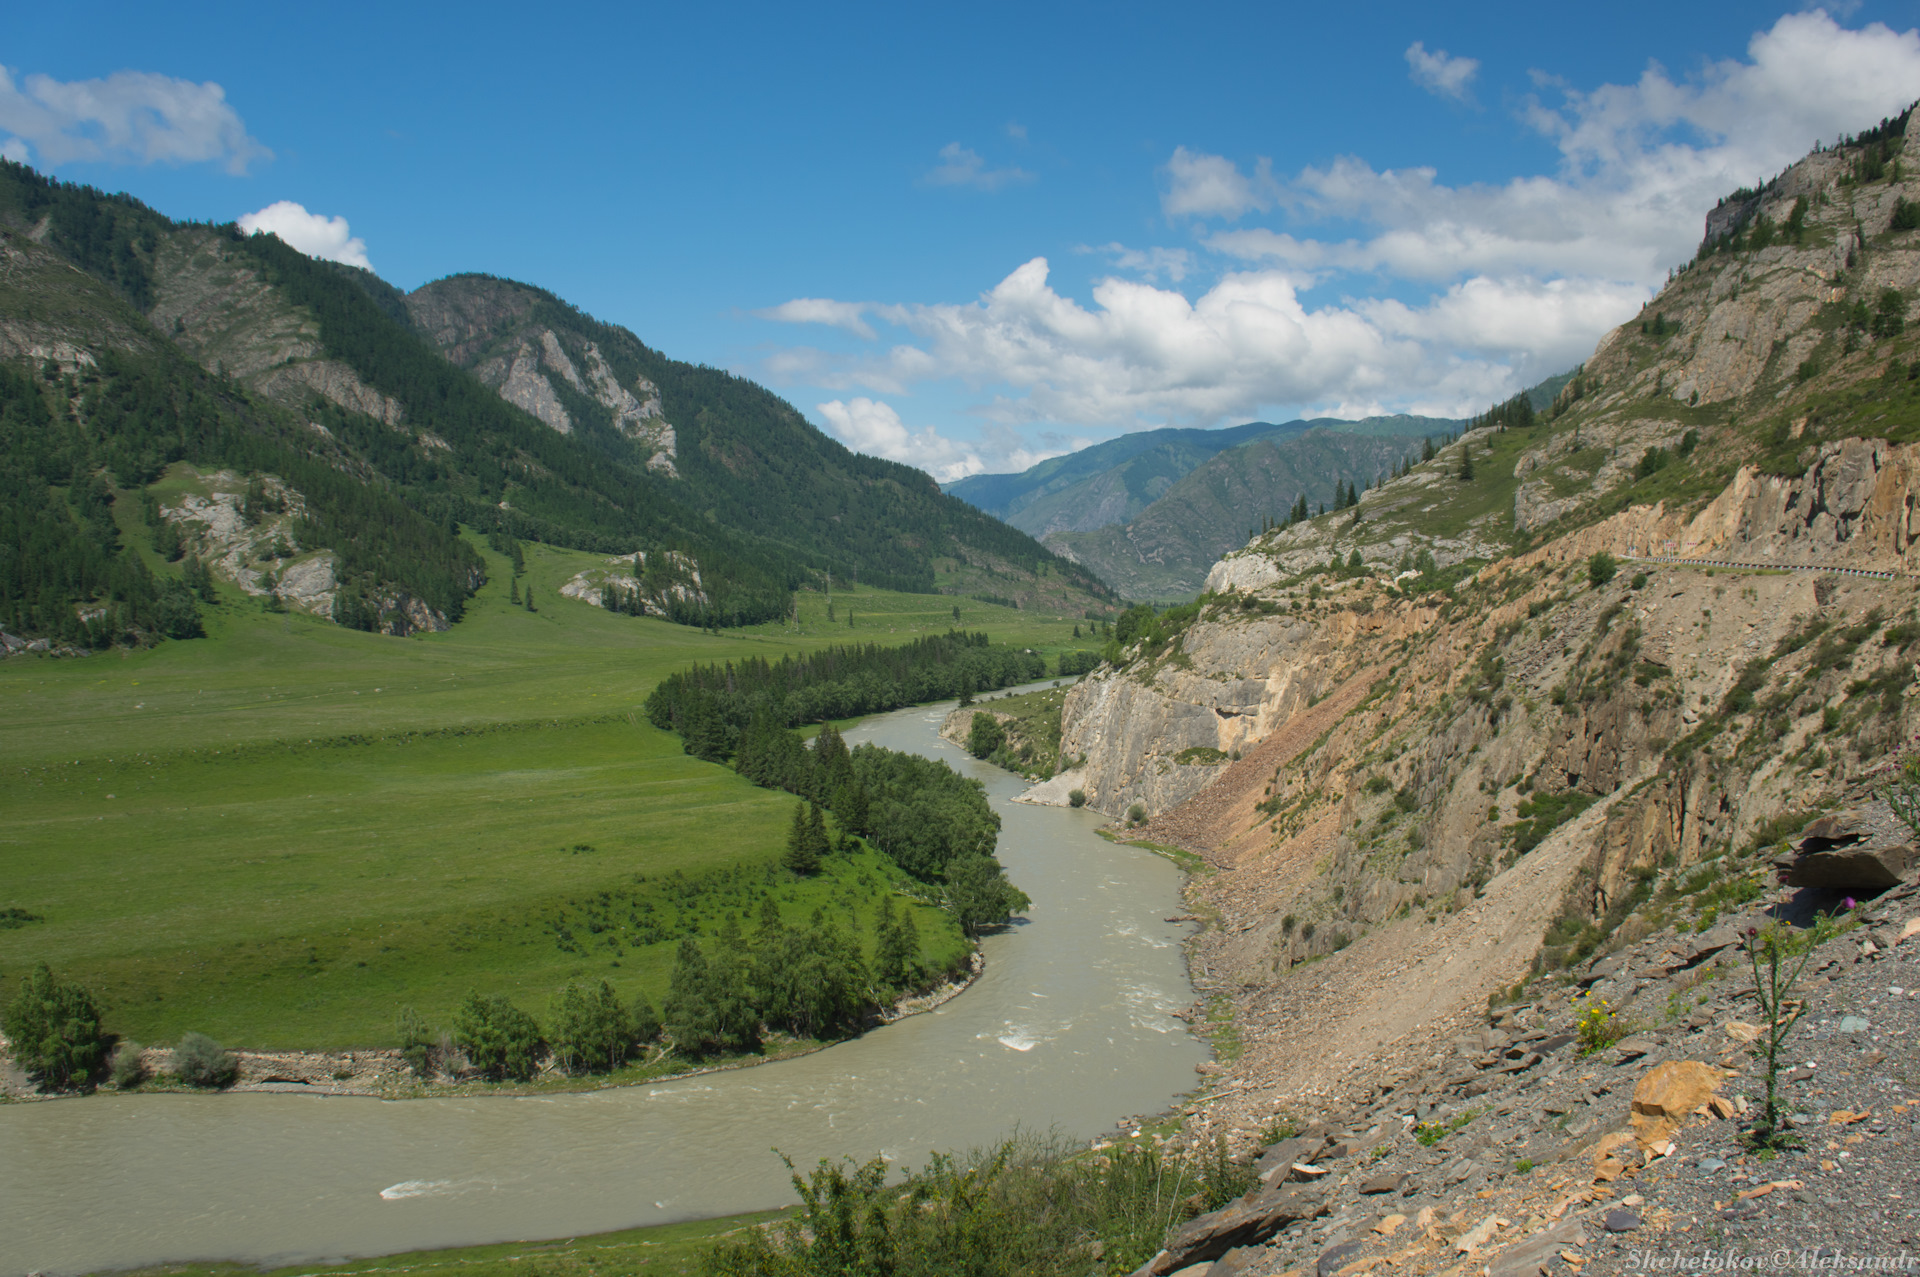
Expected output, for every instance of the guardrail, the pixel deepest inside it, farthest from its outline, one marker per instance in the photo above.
(1764, 567)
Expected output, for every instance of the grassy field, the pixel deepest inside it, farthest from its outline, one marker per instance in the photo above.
(667, 1250)
(281, 833)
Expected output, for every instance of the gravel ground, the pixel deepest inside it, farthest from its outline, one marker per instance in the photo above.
(1517, 1153)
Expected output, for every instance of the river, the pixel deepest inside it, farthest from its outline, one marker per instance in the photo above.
(1068, 1029)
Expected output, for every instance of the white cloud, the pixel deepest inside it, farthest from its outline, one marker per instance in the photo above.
(1440, 298)
(1016, 130)
(130, 117)
(1143, 355)
(1149, 263)
(873, 427)
(1440, 73)
(314, 234)
(14, 149)
(820, 310)
(1201, 185)
(960, 166)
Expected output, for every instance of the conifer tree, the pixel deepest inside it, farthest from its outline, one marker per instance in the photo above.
(801, 858)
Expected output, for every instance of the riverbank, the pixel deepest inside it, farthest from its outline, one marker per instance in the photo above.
(384, 1074)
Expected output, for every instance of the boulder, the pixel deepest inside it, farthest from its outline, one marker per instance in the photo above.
(1862, 869)
(1279, 1158)
(1852, 850)
(1247, 1222)
(1668, 1093)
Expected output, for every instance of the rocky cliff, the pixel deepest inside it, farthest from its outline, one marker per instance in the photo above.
(1469, 734)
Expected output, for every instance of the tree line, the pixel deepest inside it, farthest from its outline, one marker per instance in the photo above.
(712, 706)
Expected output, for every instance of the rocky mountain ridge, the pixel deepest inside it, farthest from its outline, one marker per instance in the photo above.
(1114, 482)
(1493, 722)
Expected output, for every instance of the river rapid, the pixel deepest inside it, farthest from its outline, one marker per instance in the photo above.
(1069, 1028)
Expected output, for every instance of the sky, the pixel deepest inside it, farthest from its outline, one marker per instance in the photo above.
(970, 238)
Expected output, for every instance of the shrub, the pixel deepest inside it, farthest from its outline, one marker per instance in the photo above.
(985, 735)
(1076, 798)
(55, 1030)
(1023, 1207)
(416, 1043)
(1136, 813)
(1601, 568)
(126, 1070)
(500, 1039)
(1598, 1026)
(200, 1061)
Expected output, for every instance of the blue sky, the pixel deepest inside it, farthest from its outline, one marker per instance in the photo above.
(968, 239)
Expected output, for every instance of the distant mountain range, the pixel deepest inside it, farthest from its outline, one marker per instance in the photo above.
(1150, 512)
(1112, 482)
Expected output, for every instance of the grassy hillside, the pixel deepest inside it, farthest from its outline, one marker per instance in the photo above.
(283, 832)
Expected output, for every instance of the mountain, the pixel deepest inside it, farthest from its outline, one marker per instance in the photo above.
(1111, 482)
(1164, 552)
(377, 424)
(1593, 670)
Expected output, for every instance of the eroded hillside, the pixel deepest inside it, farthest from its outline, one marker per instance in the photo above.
(1462, 735)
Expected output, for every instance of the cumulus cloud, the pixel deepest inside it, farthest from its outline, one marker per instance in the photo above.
(130, 117)
(961, 166)
(1201, 185)
(1349, 289)
(1440, 73)
(314, 234)
(1149, 263)
(873, 427)
(820, 310)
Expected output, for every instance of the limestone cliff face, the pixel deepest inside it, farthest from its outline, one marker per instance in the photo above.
(505, 334)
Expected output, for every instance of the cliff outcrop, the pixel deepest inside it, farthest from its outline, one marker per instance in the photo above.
(1482, 730)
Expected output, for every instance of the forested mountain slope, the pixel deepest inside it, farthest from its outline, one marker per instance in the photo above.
(1164, 552)
(475, 401)
(1112, 482)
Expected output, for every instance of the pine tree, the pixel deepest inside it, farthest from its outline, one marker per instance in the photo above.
(801, 858)
(1466, 464)
(816, 834)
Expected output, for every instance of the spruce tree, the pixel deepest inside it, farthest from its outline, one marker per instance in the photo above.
(801, 857)
(816, 834)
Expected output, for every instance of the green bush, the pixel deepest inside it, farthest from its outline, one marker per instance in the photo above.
(416, 1043)
(1601, 568)
(54, 1027)
(1136, 813)
(1022, 1208)
(126, 1071)
(497, 1037)
(985, 735)
(200, 1061)
(1076, 798)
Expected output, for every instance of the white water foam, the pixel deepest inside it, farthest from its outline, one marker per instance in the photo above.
(417, 1188)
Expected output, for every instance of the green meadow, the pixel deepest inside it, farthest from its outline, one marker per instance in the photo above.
(283, 832)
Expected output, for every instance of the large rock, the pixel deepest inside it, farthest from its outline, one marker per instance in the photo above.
(1851, 850)
(1251, 1220)
(1668, 1093)
(1279, 1158)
